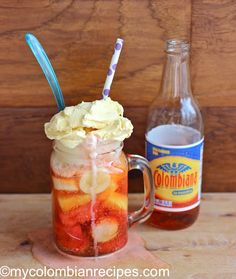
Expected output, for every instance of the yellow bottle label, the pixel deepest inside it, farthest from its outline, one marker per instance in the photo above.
(177, 174)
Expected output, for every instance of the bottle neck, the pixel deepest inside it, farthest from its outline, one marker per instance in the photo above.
(176, 77)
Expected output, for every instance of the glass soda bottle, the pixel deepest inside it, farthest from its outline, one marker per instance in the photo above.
(174, 144)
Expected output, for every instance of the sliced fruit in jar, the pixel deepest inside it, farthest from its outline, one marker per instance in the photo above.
(75, 232)
(75, 241)
(105, 229)
(122, 186)
(81, 214)
(117, 201)
(114, 244)
(102, 181)
(64, 184)
(105, 194)
(68, 202)
(68, 219)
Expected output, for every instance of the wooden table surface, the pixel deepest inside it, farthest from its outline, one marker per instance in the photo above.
(205, 250)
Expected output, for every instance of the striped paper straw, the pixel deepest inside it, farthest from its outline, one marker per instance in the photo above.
(112, 68)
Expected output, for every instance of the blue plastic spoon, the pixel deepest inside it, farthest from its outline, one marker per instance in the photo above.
(47, 68)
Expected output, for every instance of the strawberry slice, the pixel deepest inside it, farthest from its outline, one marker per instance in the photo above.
(68, 219)
(72, 240)
(81, 214)
(74, 232)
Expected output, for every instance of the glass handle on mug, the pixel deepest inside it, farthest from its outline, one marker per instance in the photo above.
(140, 163)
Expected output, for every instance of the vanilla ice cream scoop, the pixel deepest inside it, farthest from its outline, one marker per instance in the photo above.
(103, 118)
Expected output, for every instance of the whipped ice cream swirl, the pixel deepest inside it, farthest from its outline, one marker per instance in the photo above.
(102, 118)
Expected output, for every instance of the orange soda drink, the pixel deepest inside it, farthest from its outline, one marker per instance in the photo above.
(90, 179)
(85, 227)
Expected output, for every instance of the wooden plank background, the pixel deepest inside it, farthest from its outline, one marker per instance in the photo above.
(78, 37)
